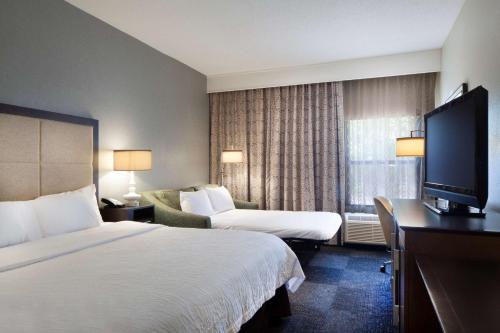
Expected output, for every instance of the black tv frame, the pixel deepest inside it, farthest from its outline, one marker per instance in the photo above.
(460, 199)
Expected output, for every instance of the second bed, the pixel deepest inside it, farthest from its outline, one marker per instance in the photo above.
(315, 226)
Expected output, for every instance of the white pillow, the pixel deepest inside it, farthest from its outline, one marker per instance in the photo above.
(65, 212)
(89, 192)
(13, 216)
(18, 223)
(220, 198)
(196, 203)
(11, 232)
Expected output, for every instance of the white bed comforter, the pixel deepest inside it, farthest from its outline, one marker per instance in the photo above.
(134, 277)
(318, 226)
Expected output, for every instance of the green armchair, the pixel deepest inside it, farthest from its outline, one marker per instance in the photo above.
(168, 208)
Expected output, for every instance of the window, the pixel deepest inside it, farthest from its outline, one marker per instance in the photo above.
(371, 165)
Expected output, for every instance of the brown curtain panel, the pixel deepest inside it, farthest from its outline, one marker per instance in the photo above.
(292, 140)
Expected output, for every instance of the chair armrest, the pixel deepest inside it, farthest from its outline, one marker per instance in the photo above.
(175, 218)
(242, 204)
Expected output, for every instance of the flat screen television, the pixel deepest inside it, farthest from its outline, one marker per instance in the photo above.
(456, 152)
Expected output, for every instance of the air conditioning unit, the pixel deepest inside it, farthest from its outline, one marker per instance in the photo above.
(363, 229)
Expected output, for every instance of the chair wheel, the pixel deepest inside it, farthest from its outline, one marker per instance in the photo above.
(382, 269)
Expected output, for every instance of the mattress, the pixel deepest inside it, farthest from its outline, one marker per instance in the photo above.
(320, 226)
(134, 277)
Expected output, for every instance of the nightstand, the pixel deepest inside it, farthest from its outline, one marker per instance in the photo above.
(145, 214)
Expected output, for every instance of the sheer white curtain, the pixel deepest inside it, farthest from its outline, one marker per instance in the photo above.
(377, 111)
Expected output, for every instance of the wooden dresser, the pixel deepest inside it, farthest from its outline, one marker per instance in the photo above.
(423, 243)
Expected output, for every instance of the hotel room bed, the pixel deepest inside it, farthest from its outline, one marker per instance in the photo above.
(316, 226)
(289, 225)
(133, 277)
(61, 271)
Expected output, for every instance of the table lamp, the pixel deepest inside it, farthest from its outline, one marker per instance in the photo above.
(132, 160)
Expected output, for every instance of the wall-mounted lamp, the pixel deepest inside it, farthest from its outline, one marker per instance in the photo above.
(412, 146)
(132, 160)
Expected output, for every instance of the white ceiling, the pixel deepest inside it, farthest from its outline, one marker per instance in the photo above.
(230, 36)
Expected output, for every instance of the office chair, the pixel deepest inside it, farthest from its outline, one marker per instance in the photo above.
(384, 211)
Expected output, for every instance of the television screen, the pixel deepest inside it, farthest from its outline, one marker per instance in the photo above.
(456, 150)
(451, 147)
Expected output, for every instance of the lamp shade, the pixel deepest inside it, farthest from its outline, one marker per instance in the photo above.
(132, 160)
(410, 147)
(232, 156)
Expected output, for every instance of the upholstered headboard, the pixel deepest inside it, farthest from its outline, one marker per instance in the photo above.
(45, 152)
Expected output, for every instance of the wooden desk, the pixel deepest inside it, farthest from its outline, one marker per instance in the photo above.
(465, 294)
(417, 232)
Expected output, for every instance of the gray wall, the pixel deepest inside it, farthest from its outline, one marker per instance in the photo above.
(55, 57)
(471, 54)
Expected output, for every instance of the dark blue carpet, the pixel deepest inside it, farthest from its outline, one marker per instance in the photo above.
(343, 292)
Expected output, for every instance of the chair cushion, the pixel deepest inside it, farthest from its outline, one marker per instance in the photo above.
(171, 197)
(204, 186)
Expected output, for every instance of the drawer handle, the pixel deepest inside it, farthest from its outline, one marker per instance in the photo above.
(395, 260)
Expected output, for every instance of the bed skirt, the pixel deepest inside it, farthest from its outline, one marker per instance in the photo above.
(276, 307)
